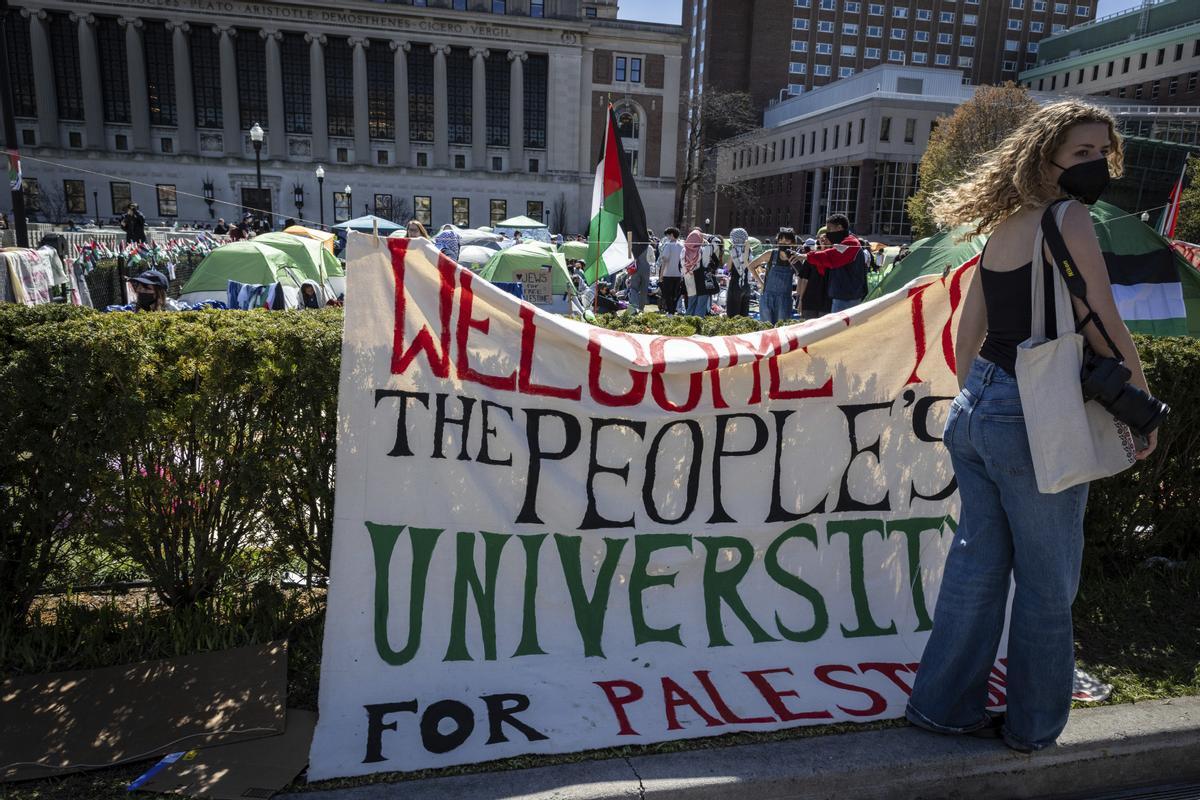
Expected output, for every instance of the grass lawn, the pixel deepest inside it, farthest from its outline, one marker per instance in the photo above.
(1138, 630)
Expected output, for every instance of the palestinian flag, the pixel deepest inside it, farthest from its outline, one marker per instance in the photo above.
(1151, 283)
(14, 171)
(1156, 289)
(1171, 216)
(617, 211)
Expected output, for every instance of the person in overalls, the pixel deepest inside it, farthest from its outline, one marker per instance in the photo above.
(775, 304)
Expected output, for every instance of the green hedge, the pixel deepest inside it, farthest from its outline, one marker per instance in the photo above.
(193, 449)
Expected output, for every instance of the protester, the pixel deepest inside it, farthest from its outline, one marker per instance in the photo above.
(780, 262)
(448, 242)
(134, 224)
(812, 293)
(310, 295)
(221, 229)
(670, 275)
(738, 292)
(150, 288)
(699, 301)
(415, 230)
(1009, 532)
(843, 263)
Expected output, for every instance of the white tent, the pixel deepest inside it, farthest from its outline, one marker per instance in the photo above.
(531, 229)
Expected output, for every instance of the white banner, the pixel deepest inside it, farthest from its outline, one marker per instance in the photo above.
(551, 537)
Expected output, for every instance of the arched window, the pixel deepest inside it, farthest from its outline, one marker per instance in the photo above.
(631, 131)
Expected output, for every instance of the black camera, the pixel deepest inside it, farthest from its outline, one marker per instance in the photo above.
(1106, 380)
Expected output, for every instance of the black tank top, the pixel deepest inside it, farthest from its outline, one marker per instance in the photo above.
(1009, 312)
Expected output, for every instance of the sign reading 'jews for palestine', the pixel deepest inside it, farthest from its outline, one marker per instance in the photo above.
(552, 537)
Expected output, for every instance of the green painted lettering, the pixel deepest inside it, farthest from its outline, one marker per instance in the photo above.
(721, 587)
(793, 583)
(383, 542)
(856, 531)
(639, 581)
(589, 613)
(466, 579)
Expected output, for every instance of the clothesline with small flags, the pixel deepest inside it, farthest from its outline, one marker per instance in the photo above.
(141, 256)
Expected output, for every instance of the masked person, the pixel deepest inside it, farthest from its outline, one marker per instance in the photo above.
(670, 274)
(738, 292)
(310, 295)
(1009, 533)
(150, 291)
(812, 293)
(842, 263)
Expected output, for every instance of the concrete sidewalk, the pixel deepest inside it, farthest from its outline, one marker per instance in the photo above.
(1102, 749)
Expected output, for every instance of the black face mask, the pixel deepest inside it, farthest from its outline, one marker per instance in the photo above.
(310, 301)
(836, 236)
(146, 301)
(1086, 181)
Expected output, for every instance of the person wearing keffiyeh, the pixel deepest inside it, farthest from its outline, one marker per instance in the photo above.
(737, 296)
(698, 304)
(448, 242)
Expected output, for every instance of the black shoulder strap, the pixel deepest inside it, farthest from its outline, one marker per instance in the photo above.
(1076, 285)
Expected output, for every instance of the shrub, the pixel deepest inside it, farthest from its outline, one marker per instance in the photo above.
(198, 448)
(52, 441)
(1154, 509)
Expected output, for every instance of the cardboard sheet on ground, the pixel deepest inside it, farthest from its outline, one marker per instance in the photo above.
(72, 721)
(255, 769)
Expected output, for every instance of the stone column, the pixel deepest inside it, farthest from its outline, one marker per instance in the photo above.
(139, 96)
(185, 106)
(585, 111)
(320, 113)
(516, 111)
(441, 107)
(276, 127)
(400, 89)
(89, 70)
(232, 128)
(43, 78)
(864, 206)
(362, 119)
(479, 107)
(815, 220)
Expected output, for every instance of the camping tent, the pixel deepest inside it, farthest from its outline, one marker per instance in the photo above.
(474, 257)
(245, 262)
(324, 237)
(1156, 290)
(504, 266)
(314, 261)
(369, 224)
(574, 251)
(529, 228)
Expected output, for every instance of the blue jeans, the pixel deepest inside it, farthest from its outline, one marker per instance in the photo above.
(1007, 532)
(774, 306)
(699, 305)
(842, 305)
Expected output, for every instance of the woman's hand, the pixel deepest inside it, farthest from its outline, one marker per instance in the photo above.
(1152, 442)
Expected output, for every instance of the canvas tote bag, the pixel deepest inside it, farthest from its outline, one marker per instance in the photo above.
(1072, 442)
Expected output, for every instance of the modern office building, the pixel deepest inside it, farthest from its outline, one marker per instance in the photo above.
(1148, 55)
(467, 111)
(851, 147)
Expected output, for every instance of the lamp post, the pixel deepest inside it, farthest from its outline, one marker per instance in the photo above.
(209, 196)
(320, 173)
(349, 201)
(96, 202)
(256, 138)
(298, 198)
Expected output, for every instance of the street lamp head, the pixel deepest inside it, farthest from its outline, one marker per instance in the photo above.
(320, 172)
(256, 133)
(347, 188)
(1145, 216)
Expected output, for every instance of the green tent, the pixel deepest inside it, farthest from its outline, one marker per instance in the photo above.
(245, 262)
(931, 256)
(757, 248)
(1156, 290)
(315, 262)
(574, 251)
(530, 255)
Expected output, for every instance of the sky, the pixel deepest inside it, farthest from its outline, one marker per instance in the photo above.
(670, 11)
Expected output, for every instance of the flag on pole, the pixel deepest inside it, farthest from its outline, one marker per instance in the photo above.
(1172, 215)
(14, 171)
(617, 210)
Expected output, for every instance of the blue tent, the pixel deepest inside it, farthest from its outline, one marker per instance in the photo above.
(369, 224)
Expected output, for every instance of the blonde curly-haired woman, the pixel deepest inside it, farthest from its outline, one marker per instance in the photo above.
(1008, 531)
